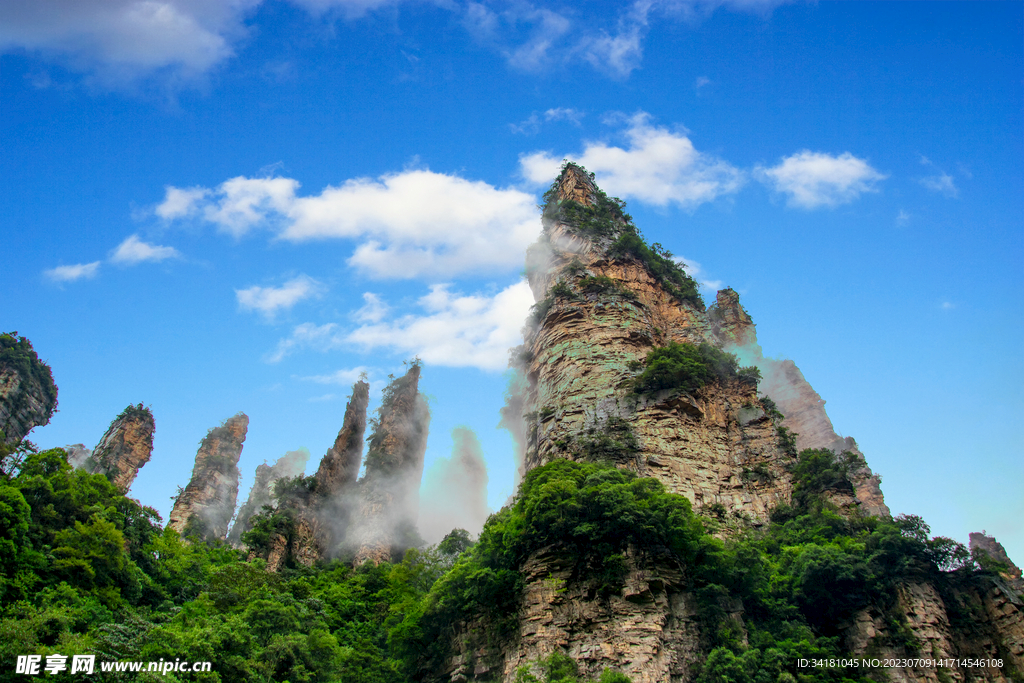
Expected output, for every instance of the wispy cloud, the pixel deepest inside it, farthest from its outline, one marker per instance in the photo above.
(133, 250)
(815, 179)
(373, 311)
(532, 123)
(657, 166)
(343, 377)
(269, 301)
(123, 40)
(696, 271)
(307, 336)
(940, 182)
(409, 224)
(79, 271)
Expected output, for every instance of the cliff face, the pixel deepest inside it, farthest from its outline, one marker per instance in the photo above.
(208, 502)
(339, 468)
(389, 493)
(650, 631)
(28, 396)
(288, 466)
(978, 621)
(803, 407)
(124, 448)
(601, 311)
(989, 546)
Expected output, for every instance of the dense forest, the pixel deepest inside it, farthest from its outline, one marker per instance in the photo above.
(86, 570)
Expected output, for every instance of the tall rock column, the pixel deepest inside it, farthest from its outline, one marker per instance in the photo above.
(784, 383)
(208, 501)
(28, 396)
(340, 466)
(389, 493)
(125, 448)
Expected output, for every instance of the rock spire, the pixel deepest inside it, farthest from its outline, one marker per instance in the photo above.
(206, 505)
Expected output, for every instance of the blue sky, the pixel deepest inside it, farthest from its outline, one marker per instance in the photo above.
(221, 206)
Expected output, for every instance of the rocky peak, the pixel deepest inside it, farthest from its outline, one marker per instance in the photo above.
(983, 543)
(576, 185)
(28, 396)
(208, 502)
(730, 322)
(124, 448)
(340, 466)
(802, 407)
(389, 493)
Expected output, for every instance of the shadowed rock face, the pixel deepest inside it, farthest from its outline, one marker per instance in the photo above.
(994, 549)
(340, 466)
(208, 502)
(289, 465)
(28, 396)
(124, 449)
(389, 493)
(783, 382)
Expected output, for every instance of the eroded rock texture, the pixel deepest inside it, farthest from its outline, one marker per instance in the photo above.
(339, 468)
(600, 314)
(208, 502)
(978, 620)
(649, 631)
(28, 396)
(124, 448)
(389, 493)
(994, 549)
(803, 407)
(288, 466)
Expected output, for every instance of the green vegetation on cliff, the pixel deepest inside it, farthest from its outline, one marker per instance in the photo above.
(607, 222)
(85, 570)
(687, 367)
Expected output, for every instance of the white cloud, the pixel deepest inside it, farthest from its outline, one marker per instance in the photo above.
(270, 300)
(532, 123)
(307, 336)
(122, 39)
(344, 377)
(133, 250)
(943, 182)
(455, 330)
(78, 271)
(621, 53)
(373, 311)
(814, 179)
(409, 224)
(564, 114)
(701, 82)
(658, 167)
(180, 202)
(696, 271)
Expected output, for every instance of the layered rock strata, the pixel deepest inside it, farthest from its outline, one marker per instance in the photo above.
(288, 466)
(784, 383)
(649, 631)
(28, 396)
(599, 314)
(388, 495)
(126, 446)
(208, 502)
